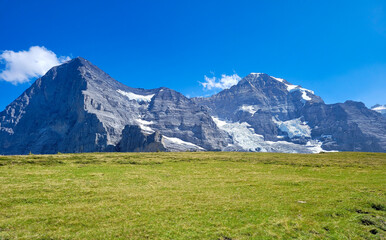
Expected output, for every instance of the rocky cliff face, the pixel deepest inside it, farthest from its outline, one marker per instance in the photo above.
(257, 99)
(50, 117)
(135, 140)
(275, 114)
(348, 126)
(76, 107)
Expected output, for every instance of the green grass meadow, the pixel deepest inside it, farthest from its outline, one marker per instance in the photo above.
(198, 195)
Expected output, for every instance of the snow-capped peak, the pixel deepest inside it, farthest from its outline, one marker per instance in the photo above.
(292, 88)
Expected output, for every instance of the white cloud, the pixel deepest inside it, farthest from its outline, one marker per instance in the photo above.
(226, 81)
(21, 66)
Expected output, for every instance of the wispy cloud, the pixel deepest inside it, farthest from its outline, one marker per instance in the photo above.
(22, 66)
(226, 81)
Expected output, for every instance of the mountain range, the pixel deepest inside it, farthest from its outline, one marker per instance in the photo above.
(76, 107)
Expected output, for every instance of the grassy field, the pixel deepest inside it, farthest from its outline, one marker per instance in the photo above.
(204, 195)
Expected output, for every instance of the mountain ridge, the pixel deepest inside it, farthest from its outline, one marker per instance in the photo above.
(76, 107)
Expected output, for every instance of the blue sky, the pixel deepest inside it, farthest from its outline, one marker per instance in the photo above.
(336, 48)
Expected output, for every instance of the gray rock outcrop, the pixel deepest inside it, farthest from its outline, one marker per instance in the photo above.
(135, 140)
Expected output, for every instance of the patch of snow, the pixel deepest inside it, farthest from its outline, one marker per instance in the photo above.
(245, 137)
(316, 146)
(292, 88)
(312, 146)
(177, 144)
(136, 97)
(294, 128)
(146, 129)
(242, 134)
(219, 122)
(249, 108)
(279, 79)
(305, 96)
(144, 125)
(144, 122)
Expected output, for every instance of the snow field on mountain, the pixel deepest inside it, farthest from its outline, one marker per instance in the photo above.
(244, 136)
(294, 128)
(249, 108)
(136, 97)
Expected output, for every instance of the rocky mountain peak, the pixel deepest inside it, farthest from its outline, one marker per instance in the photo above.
(76, 107)
(259, 80)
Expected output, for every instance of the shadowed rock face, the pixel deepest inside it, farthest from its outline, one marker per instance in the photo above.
(134, 140)
(76, 107)
(352, 126)
(49, 117)
(174, 115)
